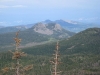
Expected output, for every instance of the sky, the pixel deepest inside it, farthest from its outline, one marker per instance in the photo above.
(22, 12)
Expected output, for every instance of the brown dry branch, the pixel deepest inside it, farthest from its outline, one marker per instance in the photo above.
(6, 69)
(28, 67)
(18, 54)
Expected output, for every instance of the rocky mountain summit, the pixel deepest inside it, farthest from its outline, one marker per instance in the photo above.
(51, 29)
(47, 29)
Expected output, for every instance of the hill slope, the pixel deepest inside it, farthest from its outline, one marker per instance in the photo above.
(38, 33)
(80, 55)
(12, 29)
(85, 42)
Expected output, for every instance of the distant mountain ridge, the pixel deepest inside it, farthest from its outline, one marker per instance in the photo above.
(12, 29)
(1, 26)
(38, 33)
(72, 26)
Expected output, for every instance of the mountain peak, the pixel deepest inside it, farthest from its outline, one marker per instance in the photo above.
(47, 29)
(57, 27)
(41, 28)
(48, 21)
(39, 25)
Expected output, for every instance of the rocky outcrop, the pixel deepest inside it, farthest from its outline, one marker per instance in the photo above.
(46, 28)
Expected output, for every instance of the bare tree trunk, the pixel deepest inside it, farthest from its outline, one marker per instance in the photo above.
(17, 67)
(55, 62)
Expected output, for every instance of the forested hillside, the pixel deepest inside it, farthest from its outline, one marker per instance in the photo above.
(79, 55)
(85, 42)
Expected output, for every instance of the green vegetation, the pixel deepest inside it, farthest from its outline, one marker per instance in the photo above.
(80, 55)
(86, 42)
(70, 63)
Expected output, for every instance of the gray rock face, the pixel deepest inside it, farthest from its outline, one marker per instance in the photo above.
(47, 29)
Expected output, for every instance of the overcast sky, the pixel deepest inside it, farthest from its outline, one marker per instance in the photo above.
(16, 12)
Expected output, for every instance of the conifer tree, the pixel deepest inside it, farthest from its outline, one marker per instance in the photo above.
(17, 54)
(55, 62)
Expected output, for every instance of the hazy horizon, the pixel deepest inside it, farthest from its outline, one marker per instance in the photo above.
(18, 12)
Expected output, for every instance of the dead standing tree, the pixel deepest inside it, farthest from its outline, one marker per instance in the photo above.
(55, 62)
(17, 54)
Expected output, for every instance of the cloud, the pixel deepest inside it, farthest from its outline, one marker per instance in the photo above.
(89, 19)
(93, 18)
(15, 6)
(80, 19)
(53, 3)
(18, 6)
(2, 23)
(20, 21)
(6, 0)
(3, 6)
(64, 3)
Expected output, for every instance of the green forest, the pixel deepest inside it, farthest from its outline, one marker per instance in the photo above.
(78, 55)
